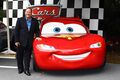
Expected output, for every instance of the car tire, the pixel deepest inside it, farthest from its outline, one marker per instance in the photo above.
(0, 45)
(12, 41)
(3, 45)
(35, 66)
(101, 68)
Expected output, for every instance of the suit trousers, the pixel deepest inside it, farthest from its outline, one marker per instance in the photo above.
(23, 57)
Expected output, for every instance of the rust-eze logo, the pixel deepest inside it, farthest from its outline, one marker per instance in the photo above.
(45, 11)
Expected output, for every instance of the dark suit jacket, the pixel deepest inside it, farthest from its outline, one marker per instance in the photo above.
(22, 34)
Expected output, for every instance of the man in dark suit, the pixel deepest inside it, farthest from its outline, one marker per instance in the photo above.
(25, 31)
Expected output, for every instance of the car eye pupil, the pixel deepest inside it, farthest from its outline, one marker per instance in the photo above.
(56, 29)
(69, 29)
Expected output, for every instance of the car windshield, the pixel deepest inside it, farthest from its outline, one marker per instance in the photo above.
(53, 29)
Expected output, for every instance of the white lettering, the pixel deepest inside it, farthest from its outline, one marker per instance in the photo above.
(46, 12)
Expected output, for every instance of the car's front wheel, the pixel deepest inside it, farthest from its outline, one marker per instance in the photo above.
(35, 67)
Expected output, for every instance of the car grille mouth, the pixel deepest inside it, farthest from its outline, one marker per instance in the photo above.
(72, 57)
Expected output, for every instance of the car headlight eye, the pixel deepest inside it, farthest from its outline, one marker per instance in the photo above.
(45, 47)
(96, 45)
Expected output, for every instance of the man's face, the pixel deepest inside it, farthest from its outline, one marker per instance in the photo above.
(28, 13)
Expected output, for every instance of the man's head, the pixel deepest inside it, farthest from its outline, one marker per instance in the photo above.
(28, 13)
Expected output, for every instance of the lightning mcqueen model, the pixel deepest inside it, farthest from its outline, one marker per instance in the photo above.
(67, 44)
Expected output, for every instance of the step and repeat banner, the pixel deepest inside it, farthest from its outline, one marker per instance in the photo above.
(90, 11)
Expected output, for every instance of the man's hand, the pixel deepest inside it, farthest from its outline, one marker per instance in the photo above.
(17, 44)
(38, 38)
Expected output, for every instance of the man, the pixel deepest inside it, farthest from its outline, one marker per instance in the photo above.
(26, 28)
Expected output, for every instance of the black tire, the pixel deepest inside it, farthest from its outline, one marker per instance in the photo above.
(103, 65)
(0, 45)
(3, 44)
(12, 41)
(35, 67)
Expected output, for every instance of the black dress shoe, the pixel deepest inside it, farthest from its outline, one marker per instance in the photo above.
(20, 71)
(27, 73)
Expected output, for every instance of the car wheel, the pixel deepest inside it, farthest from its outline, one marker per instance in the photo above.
(35, 67)
(3, 45)
(103, 65)
(0, 44)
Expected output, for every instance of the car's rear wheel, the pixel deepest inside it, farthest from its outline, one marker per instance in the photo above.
(3, 44)
(0, 45)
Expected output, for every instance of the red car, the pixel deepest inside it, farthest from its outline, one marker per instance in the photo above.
(67, 44)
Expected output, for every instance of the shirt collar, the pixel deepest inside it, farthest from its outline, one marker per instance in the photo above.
(29, 19)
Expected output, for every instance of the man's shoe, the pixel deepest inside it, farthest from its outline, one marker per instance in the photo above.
(27, 73)
(20, 71)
